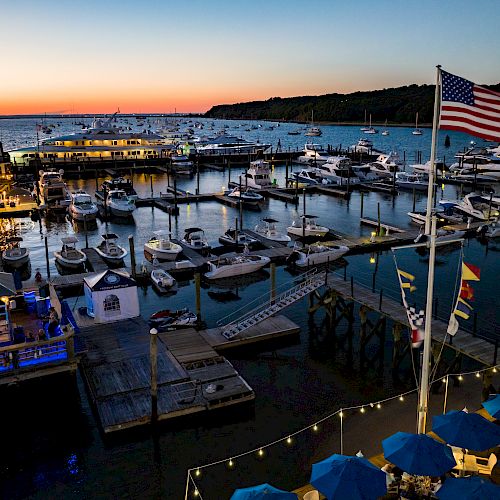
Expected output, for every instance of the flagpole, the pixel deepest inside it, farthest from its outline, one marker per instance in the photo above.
(424, 379)
(432, 175)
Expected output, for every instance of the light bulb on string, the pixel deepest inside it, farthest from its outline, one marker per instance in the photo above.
(477, 374)
(196, 492)
(495, 369)
(341, 414)
(401, 398)
(261, 453)
(379, 406)
(315, 428)
(460, 377)
(289, 440)
(197, 473)
(230, 464)
(362, 409)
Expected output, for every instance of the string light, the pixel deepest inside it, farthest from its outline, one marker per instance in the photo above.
(315, 427)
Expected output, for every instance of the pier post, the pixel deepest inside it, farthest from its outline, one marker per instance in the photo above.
(378, 218)
(197, 176)
(96, 183)
(228, 172)
(273, 281)
(132, 254)
(47, 257)
(175, 195)
(414, 200)
(151, 183)
(362, 203)
(85, 229)
(197, 282)
(153, 354)
(304, 200)
(286, 173)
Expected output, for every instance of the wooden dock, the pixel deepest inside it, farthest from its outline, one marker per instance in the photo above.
(367, 221)
(192, 376)
(474, 347)
(94, 261)
(265, 242)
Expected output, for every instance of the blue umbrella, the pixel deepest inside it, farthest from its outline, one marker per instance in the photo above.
(467, 430)
(492, 406)
(340, 476)
(472, 488)
(262, 492)
(418, 454)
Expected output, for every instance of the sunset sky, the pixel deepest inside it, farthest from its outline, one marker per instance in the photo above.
(63, 56)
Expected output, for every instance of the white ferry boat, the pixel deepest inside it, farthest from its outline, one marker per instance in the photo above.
(102, 140)
(225, 144)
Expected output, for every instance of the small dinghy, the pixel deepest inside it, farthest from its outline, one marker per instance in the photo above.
(318, 253)
(169, 320)
(109, 250)
(307, 226)
(162, 281)
(69, 256)
(233, 237)
(14, 255)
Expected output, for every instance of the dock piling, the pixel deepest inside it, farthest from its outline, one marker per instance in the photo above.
(273, 281)
(47, 257)
(197, 281)
(153, 353)
(132, 254)
(362, 203)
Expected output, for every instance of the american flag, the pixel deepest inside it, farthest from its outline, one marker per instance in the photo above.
(467, 107)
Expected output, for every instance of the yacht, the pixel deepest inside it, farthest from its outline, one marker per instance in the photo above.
(365, 146)
(384, 166)
(181, 164)
(119, 204)
(233, 237)
(235, 265)
(318, 253)
(258, 176)
(15, 255)
(101, 140)
(53, 191)
(247, 196)
(337, 170)
(269, 231)
(226, 145)
(195, 238)
(161, 247)
(417, 131)
(364, 173)
(405, 180)
(309, 177)
(314, 154)
(306, 226)
(120, 183)
(424, 168)
(69, 256)
(474, 205)
(82, 208)
(109, 250)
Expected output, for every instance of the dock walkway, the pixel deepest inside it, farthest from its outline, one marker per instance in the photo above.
(94, 260)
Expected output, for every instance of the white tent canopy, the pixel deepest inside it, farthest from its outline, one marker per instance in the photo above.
(111, 296)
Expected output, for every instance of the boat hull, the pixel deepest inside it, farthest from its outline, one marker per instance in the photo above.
(83, 216)
(314, 259)
(297, 231)
(113, 259)
(15, 262)
(237, 269)
(70, 263)
(162, 254)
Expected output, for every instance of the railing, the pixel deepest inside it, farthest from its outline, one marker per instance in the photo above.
(17, 357)
(263, 299)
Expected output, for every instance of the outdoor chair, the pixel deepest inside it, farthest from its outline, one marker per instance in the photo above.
(312, 495)
(485, 466)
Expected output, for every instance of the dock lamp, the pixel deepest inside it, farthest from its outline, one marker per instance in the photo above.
(372, 237)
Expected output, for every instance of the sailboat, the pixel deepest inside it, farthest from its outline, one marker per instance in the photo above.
(417, 131)
(313, 131)
(385, 131)
(364, 127)
(370, 129)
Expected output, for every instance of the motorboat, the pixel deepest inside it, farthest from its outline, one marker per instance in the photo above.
(416, 131)
(69, 256)
(337, 170)
(15, 255)
(109, 250)
(170, 320)
(52, 190)
(162, 281)
(424, 168)
(181, 164)
(365, 146)
(474, 205)
(310, 177)
(489, 230)
(449, 216)
(247, 196)
(162, 247)
(385, 165)
(306, 226)
(364, 173)
(269, 231)
(314, 154)
(405, 180)
(82, 208)
(194, 237)
(233, 237)
(258, 176)
(235, 265)
(119, 204)
(318, 253)
(442, 236)
(120, 183)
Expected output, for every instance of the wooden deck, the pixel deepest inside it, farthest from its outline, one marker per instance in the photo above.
(464, 342)
(94, 260)
(192, 377)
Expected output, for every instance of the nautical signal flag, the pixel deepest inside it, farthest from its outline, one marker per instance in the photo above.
(467, 107)
(406, 280)
(470, 272)
(462, 307)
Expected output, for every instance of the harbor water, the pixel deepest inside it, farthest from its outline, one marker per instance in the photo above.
(52, 447)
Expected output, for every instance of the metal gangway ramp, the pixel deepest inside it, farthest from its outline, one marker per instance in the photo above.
(310, 281)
